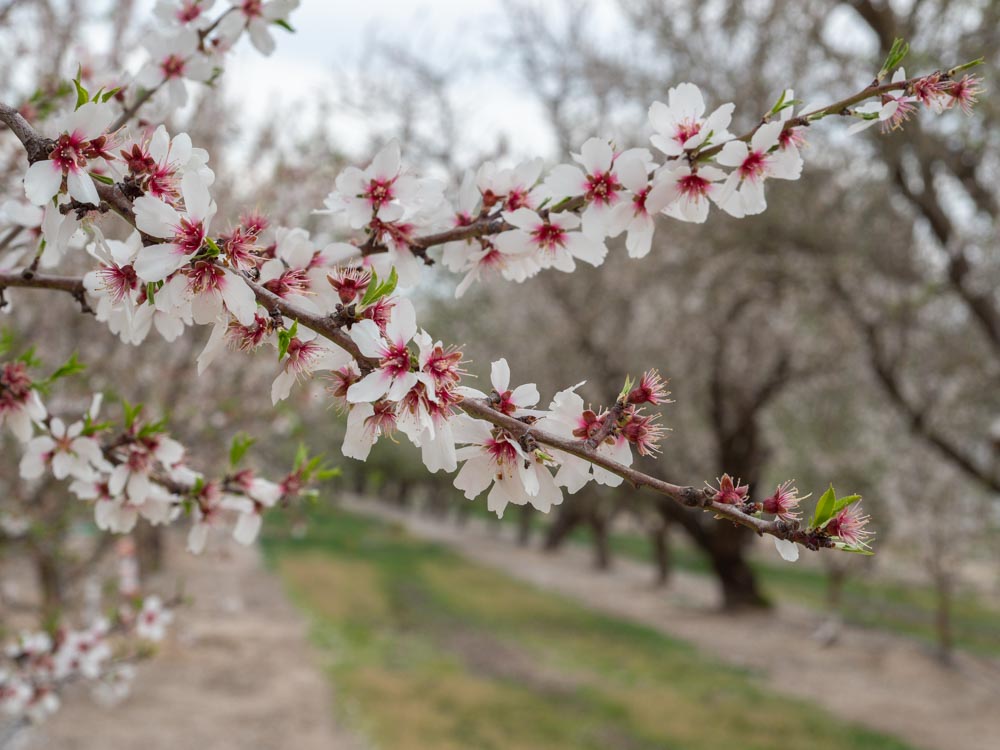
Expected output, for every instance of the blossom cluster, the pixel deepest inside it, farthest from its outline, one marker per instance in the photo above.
(36, 665)
(138, 471)
(188, 45)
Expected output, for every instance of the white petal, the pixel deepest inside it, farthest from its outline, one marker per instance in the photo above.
(500, 375)
(42, 180)
(788, 550)
(81, 186)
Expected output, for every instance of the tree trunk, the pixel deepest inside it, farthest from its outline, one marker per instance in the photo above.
(659, 538)
(524, 521)
(736, 577)
(942, 618)
(567, 518)
(599, 527)
(725, 545)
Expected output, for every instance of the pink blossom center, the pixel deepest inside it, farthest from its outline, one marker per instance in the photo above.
(15, 387)
(301, 355)
(639, 201)
(502, 452)
(686, 129)
(68, 154)
(172, 67)
(189, 236)
(602, 188)
(549, 236)
(517, 198)
(754, 166)
(693, 186)
(396, 361)
(118, 281)
(189, 11)
(379, 192)
(252, 8)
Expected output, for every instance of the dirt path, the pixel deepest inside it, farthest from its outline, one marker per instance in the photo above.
(885, 682)
(237, 673)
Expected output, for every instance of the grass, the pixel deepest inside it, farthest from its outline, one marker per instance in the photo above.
(428, 651)
(903, 608)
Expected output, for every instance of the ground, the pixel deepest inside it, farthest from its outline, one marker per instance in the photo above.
(237, 673)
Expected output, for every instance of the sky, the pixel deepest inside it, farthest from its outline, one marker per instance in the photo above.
(330, 41)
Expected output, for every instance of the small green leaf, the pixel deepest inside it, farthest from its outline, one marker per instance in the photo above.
(965, 66)
(72, 366)
(843, 546)
(82, 96)
(824, 509)
(102, 178)
(131, 413)
(897, 52)
(213, 247)
(285, 337)
(371, 293)
(108, 94)
(283, 24)
(239, 447)
(843, 503)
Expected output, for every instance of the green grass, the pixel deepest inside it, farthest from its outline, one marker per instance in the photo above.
(903, 608)
(429, 651)
(906, 609)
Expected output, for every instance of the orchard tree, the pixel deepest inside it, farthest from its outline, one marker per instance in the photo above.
(97, 163)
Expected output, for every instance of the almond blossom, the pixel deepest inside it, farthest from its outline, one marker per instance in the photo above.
(173, 58)
(551, 241)
(680, 124)
(152, 620)
(755, 163)
(190, 13)
(394, 375)
(65, 449)
(599, 183)
(306, 353)
(568, 417)
(493, 458)
(185, 231)
(257, 17)
(694, 188)
(636, 214)
(81, 141)
(20, 405)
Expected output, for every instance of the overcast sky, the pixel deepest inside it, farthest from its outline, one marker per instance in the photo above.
(330, 39)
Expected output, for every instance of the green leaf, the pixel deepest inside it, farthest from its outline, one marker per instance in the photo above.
(301, 456)
(843, 503)
(285, 337)
(239, 447)
(72, 366)
(103, 178)
(824, 509)
(843, 546)
(82, 96)
(897, 52)
(29, 358)
(108, 94)
(283, 24)
(371, 293)
(213, 247)
(131, 413)
(389, 286)
(965, 66)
